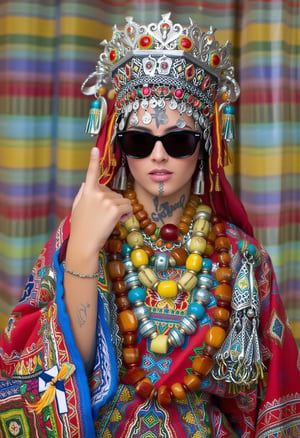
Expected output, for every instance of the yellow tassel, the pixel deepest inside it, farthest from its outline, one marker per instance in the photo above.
(217, 184)
(107, 171)
(218, 135)
(47, 398)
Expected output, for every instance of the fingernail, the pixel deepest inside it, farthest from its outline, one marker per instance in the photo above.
(94, 151)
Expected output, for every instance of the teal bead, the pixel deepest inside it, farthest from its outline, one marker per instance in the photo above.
(137, 294)
(196, 309)
(126, 250)
(207, 264)
(251, 249)
(229, 110)
(95, 104)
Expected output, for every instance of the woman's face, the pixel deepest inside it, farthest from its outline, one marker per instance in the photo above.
(159, 174)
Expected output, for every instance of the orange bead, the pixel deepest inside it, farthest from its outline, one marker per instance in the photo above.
(134, 375)
(193, 201)
(202, 365)
(145, 222)
(148, 250)
(116, 270)
(114, 246)
(123, 232)
(150, 229)
(223, 292)
(222, 243)
(130, 338)
(224, 274)
(130, 194)
(224, 258)
(131, 355)
(219, 229)
(192, 382)
(221, 314)
(141, 215)
(123, 302)
(209, 250)
(119, 287)
(215, 336)
(137, 207)
(180, 255)
(182, 227)
(189, 211)
(144, 388)
(127, 321)
(178, 391)
(164, 395)
(169, 245)
(186, 219)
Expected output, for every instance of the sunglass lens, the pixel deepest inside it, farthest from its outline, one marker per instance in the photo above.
(136, 144)
(180, 144)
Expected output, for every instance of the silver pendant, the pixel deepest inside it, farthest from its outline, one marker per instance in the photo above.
(146, 119)
(161, 103)
(122, 124)
(133, 121)
(163, 118)
(173, 104)
(135, 105)
(144, 104)
(153, 102)
(189, 111)
(180, 123)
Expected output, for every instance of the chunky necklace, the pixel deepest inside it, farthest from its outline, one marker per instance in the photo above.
(127, 277)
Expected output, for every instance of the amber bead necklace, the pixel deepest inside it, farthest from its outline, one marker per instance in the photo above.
(127, 276)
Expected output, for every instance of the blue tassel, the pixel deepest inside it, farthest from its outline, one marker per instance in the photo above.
(228, 124)
(97, 114)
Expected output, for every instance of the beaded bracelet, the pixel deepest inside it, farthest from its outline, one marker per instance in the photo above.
(77, 274)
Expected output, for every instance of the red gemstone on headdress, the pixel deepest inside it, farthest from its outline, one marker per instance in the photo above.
(145, 91)
(165, 26)
(214, 60)
(189, 72)
(179, 93)
(206, 82)
(128, 71)
(169, 232)
(114, 55)
(185, 43)
(146, 42)
(206, 111)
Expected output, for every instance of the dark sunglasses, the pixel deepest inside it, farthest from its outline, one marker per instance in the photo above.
(139, 144)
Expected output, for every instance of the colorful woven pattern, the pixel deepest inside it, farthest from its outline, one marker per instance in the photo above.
(46, 50)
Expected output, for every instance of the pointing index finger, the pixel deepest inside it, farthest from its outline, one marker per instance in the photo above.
(92, 174)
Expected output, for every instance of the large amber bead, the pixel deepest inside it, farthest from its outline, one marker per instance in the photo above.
(224, 258)
(202, 365)
(223, 292)
(178, 391)
(167, 289)
(139, 257)
(159, 344)
(150, 228)
(164, 395)
(222, 243)
(116, 270)
(130, 338)
(144, 388)
(221, 314)
(194, 262)
(123, 302)
(192, 382)
(114, 246)
(119, 287)
(127, 321)
(188, 281)
(137, 207)
(131, 356)
(193, 201)
(201, 227)
(215, 336)
(182, 227)
(135, 239)
(132, 224)
(147, 277)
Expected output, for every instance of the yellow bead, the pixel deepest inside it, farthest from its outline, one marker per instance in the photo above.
(188, 281)
(203, 208)
(135, 239)
(194, 262)
(132, 224)
(167, 289)
(139, 257)
(159, 344)
(147, 277)
(201, 227)
(197, 244)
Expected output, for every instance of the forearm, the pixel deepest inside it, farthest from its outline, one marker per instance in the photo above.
(80, 295)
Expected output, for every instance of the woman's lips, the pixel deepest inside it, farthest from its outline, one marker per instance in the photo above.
(160, 175)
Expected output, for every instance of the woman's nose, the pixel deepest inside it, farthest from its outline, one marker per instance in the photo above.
(158, 152)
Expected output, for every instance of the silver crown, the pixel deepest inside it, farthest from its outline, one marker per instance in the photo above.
(165, 61)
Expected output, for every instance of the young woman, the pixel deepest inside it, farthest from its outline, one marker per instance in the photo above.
(153, 311)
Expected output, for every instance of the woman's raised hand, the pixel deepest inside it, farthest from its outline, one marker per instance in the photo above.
(95, 212)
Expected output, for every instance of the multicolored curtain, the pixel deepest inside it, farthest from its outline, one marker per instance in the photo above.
(46, 51)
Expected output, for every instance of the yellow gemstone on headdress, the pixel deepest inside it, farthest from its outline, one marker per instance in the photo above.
(167, 289)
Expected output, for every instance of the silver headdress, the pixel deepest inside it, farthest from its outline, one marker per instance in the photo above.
(158, 64)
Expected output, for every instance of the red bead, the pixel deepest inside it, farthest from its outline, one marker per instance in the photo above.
(185, 43)
(178, 93)
(169, 233)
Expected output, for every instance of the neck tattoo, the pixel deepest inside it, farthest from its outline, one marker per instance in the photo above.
(165, 209)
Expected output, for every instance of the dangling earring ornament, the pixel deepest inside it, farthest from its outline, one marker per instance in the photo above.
(199, 181)
(120, 180)
(97, 114)
(228, 123)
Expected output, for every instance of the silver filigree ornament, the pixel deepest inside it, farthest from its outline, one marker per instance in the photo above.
(171, 62)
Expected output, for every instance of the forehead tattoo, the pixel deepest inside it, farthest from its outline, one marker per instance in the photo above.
(159, 116)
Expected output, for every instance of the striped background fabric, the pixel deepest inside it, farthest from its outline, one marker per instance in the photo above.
(46, 51)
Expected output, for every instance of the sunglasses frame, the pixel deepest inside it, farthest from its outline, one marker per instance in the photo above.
(155, 138)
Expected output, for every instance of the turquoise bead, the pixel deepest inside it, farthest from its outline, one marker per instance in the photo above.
(251, 249)
(126, 250)
(137, 294)
(207, 264)
(196, 309)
